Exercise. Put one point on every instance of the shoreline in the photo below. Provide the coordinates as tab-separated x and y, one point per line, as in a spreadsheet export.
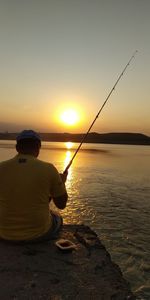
93	137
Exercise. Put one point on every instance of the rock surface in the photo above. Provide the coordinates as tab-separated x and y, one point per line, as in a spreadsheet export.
42	271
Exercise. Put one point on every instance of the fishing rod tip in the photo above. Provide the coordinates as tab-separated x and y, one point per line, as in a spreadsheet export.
135	52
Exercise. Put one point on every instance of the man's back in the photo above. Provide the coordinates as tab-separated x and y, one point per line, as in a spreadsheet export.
26	184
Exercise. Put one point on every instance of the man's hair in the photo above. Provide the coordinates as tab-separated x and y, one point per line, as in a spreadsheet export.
28	145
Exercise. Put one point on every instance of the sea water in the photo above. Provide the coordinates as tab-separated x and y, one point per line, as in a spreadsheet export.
109	190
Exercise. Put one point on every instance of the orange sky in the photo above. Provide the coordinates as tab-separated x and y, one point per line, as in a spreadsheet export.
67	54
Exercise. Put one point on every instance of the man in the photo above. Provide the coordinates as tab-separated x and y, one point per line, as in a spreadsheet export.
27	184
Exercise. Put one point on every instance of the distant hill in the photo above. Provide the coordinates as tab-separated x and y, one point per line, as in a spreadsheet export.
93	137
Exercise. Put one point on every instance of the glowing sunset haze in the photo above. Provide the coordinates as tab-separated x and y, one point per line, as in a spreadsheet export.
60	59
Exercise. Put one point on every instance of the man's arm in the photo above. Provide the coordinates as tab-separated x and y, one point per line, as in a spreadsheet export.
58	189
64	176
61	201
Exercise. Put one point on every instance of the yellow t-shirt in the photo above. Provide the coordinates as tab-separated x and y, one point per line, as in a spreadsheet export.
26	183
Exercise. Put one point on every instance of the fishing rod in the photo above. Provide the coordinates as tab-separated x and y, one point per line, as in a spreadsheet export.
111	91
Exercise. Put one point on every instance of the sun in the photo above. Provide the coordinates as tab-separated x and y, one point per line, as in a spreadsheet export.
70	117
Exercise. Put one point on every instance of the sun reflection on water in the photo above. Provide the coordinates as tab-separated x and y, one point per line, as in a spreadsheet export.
67	159
77	208
69	145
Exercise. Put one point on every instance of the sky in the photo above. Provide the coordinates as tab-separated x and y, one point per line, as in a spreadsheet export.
62	54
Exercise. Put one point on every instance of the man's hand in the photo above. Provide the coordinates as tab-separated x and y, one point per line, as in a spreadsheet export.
64	176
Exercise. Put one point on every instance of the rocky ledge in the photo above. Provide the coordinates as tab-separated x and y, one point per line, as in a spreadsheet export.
43	271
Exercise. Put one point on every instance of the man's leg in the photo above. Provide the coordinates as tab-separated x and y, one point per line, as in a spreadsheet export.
57	222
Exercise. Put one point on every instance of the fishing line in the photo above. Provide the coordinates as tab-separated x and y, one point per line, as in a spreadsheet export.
111	91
